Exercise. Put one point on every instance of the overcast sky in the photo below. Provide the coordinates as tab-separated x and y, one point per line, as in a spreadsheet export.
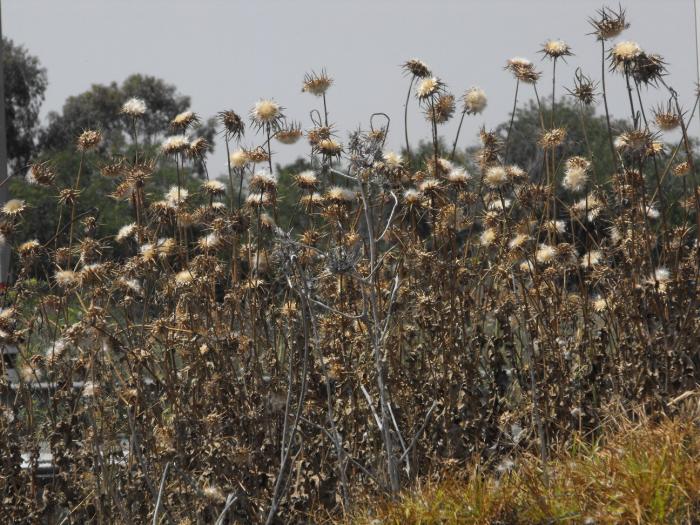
227	54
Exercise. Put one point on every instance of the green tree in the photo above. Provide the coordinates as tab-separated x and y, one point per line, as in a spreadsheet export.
586	135
100	108
288	216
25	85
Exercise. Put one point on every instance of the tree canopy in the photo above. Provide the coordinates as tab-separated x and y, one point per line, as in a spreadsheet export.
25	86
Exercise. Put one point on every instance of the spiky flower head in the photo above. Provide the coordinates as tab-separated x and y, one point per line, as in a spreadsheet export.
552	138
68	196
317	134
329	147
496	177
599	303
555	49
458	176
306	180
14	207
429	186
518	241
392	159
340	195
263	180
316	84
662	274
428	87
257	155
125	232
184	277
198	148
134	107
239	158
545	254
28	248
417	68
636	141
176	196
442	110
681	169
591	258
290	133
608	23
89	139
623	54
660	278
576	173
474	101
66	278
213	187
523	70
648	68
266	112
209	242
184	120
175	144
588	208
666	118
314	199
488	236
41	174
412	197
515	173
554	227
234	127
584	88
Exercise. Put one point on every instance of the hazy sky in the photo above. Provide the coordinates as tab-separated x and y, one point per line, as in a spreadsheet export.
227	54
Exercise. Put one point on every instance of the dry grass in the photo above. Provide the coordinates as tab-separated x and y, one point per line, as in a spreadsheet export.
635	472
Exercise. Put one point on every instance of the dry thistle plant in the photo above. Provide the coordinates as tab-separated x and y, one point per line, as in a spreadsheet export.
427	310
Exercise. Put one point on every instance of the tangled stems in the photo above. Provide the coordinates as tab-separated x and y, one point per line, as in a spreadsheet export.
405	117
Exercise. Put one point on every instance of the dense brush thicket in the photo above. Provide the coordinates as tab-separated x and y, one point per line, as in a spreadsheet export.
423	313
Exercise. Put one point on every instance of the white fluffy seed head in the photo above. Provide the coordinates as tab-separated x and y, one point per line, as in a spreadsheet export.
626	51
176	196
518	241
427	87
488	237
238	158
214	187
175	144
412	196
545	254
576	174
266	111
392	159
66	278
134	107
458	176
496	177
125	232
475	101
591	258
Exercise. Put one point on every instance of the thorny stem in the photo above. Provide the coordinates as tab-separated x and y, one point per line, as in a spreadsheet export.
605	102
405	118
512	119
459	128
76	189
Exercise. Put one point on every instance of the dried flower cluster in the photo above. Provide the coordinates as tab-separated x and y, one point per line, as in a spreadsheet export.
426	310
